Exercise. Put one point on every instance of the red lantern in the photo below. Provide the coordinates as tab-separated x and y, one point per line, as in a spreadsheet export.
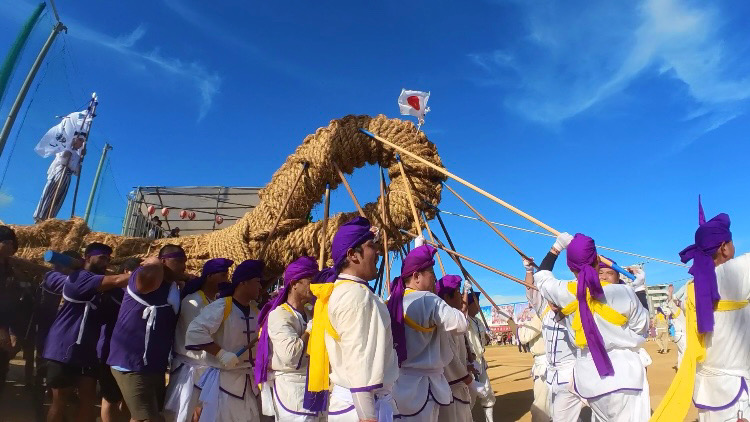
219	219
183	214
191	215
151	209
165	211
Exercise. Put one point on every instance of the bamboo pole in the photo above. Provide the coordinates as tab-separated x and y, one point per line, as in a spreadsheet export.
460	180
492	226
349	189
283	209
437	254
324	229
385	233
410	195
473	261
486	194
465	272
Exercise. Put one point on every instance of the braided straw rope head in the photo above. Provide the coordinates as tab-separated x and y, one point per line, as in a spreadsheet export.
340	142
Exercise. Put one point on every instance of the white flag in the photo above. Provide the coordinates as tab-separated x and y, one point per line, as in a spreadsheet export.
60	136
414	103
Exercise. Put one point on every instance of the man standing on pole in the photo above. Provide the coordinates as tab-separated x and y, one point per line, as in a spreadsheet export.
65	164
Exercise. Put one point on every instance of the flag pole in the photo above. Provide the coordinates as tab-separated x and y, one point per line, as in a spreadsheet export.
324	228
90	202
92	113
89	113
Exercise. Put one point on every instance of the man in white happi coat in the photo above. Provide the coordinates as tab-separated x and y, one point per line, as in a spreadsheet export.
478	338
352	332
457	372
227	330
564	404
186	368
677	314
529	329
607	324
423	326
281	359
715	370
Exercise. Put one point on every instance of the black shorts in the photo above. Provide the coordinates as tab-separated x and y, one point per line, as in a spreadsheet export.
108	387
63	375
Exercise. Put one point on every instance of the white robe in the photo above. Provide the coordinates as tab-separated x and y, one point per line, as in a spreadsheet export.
723	378
421	386
363	359
182	396
680	329
456	371
624	396
565	404
530	333
289	363
477	336
237	389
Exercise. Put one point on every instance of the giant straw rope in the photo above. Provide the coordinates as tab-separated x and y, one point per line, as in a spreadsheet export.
341	143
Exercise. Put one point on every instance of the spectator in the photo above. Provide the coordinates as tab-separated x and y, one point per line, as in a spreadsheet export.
175	232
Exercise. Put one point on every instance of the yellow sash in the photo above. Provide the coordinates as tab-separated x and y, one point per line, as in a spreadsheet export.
413	324
676	402
318	379
203	296
602	309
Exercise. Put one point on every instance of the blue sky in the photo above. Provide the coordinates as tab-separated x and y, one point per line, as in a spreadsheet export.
607	118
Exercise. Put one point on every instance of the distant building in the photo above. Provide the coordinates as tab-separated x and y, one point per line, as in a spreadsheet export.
657	296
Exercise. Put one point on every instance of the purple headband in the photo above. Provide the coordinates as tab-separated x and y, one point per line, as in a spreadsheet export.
303	267
447	285
709	237
603	265
581	256
97	252
417	260
177	254
212	266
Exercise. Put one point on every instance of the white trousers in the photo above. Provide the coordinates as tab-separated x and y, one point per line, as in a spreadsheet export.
182	396
488	400
455	412
622	406
341	406
540	408
730	414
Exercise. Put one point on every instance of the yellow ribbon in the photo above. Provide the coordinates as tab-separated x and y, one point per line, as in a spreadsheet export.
318	378
413	324
602	309
203	296
676	402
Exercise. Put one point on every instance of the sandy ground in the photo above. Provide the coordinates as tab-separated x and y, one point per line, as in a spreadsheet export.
508	369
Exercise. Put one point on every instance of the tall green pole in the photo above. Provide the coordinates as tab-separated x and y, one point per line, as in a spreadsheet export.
27	84
86	214
11	58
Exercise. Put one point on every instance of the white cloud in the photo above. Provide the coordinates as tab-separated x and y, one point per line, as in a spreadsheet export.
206	82
574	56
5	199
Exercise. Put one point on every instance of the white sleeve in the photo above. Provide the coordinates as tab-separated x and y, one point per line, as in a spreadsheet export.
202	328
189	309
638	320
529	330
448	318
552	289
536	300
286	341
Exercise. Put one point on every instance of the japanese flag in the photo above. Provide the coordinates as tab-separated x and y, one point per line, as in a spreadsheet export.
414	103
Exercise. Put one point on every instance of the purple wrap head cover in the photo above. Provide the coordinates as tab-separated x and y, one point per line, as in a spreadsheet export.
447	285
212	266
603	265
302	267
582	257
247	270
417	260
709	237
349	235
